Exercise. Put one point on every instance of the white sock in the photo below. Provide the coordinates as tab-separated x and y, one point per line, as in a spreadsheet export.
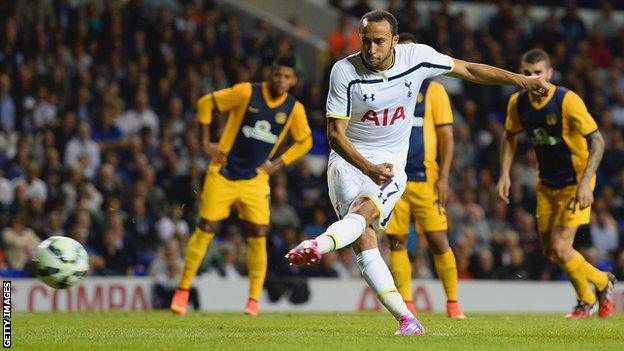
341	233
379	278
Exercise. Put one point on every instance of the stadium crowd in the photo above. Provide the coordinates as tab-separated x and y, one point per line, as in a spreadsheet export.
98	138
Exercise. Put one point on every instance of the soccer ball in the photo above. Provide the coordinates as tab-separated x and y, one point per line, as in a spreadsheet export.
61	262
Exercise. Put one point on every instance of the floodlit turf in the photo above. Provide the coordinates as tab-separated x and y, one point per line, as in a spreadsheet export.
308	331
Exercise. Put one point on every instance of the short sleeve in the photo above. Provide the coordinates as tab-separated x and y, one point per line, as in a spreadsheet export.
575	110
300	129
227	99
512	121
441	104
432	62
337	97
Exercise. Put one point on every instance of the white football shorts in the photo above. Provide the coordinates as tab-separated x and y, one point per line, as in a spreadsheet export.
347	183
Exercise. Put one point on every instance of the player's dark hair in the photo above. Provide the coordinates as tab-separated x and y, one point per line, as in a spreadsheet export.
536	55
378	16
406	37
287	61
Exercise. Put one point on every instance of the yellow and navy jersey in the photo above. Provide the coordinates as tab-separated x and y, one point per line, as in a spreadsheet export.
256	126
557	126
433	109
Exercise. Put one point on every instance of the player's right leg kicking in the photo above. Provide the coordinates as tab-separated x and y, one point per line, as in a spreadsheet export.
354	227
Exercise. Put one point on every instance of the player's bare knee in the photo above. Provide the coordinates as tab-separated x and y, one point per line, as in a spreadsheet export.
366	241
365	208
559	251
397	242
255	230
438	242
207	226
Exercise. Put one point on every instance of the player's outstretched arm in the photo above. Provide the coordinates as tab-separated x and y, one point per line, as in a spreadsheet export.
507	151
486	74
338	141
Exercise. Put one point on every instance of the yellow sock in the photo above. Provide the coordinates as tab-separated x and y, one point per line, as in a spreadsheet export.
575	270
195	251
446	268
256	265
401	270
596	276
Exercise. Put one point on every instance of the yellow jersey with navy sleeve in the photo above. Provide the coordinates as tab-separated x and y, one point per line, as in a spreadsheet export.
433	109
557	127
256	126
419	200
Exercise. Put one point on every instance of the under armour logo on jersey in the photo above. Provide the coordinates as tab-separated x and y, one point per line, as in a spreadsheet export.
366	97
408	85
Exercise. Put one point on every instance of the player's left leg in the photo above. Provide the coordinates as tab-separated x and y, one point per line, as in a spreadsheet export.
379	279
573	264
567	218
256	263
446	268
254	210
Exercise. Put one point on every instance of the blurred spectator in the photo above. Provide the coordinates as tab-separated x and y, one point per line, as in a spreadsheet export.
140	116
166	270
343	40
115	255
83	151
359	8
19	243
516	268
7	105
603	230
32	185
282	214
484	265
173	226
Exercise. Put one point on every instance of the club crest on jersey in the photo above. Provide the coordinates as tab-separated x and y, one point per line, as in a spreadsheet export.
260	131
419	98
365	97
385	117
551	119
408	85
280	118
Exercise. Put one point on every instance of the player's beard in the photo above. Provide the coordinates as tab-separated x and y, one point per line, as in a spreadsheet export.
379	63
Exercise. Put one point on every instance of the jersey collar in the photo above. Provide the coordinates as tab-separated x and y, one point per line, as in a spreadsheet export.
538	105
266	94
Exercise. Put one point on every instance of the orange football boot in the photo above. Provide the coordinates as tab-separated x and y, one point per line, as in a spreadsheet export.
453	311
179	303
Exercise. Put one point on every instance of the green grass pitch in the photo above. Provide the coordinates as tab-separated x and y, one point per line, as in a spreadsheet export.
309	331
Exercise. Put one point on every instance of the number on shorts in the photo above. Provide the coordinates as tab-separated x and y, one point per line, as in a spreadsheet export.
384	197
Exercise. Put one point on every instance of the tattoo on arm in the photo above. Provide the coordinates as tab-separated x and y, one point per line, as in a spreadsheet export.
596	146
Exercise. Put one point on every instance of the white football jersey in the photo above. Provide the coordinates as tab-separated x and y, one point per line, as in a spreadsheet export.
380	105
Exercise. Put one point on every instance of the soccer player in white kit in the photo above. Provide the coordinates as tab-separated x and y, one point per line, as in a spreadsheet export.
369	108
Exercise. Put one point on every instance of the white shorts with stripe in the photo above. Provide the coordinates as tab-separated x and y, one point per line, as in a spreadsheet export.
347	183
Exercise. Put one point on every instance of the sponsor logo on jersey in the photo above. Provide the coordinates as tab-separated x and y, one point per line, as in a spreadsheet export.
365	97
260	131
385	117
